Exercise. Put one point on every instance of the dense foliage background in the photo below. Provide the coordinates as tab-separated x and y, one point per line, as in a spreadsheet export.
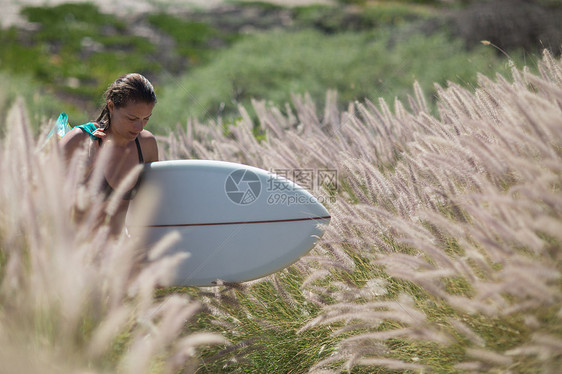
204	63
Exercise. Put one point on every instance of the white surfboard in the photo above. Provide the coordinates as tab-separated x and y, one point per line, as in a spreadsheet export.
237	222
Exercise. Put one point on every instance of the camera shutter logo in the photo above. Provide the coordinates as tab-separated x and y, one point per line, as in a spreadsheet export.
242	187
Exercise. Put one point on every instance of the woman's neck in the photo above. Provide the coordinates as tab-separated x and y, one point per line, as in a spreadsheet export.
117	140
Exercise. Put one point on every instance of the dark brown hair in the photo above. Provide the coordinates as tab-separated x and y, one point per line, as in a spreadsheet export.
129	88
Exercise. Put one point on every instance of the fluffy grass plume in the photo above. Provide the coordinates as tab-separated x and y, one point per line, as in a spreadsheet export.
71	299
444	250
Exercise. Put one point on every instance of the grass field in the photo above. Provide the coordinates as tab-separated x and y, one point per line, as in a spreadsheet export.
443	254
444	250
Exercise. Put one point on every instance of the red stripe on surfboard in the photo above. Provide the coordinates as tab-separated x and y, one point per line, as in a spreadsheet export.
242	222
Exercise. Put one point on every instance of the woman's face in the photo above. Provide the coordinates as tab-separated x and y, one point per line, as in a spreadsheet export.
128	121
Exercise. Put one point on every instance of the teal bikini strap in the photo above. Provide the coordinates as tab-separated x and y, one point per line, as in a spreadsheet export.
89	128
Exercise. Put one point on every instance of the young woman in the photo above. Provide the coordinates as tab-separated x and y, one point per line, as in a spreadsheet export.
119	130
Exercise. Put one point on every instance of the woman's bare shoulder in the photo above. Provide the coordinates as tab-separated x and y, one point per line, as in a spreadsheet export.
73	138
149	146
145	134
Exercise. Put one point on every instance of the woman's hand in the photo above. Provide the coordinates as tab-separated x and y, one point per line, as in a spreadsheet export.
99	133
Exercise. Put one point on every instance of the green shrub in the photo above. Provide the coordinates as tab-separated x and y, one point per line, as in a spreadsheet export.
75	43
193	39
274	65
380	14
42	104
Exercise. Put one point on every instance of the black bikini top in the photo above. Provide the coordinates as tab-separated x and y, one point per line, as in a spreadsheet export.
129	195
106	187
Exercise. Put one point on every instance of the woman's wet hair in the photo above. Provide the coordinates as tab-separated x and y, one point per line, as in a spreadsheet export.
129	88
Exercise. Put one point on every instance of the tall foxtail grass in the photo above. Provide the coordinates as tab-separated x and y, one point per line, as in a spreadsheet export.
443	253
444	249
73	300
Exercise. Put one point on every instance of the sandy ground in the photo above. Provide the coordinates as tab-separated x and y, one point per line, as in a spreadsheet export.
11	8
